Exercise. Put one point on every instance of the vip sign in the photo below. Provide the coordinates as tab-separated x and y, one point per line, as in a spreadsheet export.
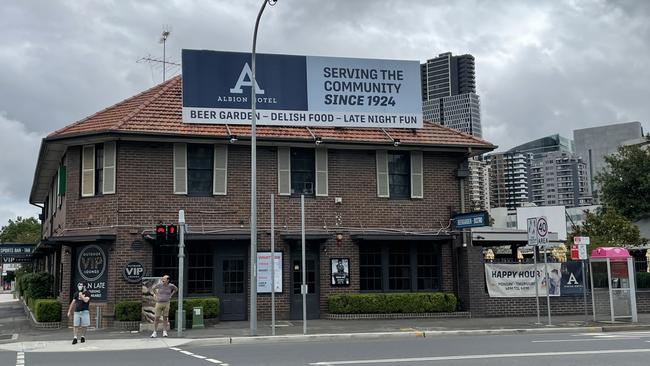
92	263
301	90
133	272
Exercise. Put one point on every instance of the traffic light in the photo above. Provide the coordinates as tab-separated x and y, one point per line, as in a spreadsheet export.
166	234
172	234
161	234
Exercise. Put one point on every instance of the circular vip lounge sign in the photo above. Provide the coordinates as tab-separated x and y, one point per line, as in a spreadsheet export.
91	263
133	272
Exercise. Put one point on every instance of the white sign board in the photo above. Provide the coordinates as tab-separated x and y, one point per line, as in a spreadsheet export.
581	240
542	230
518	280
532	230
582	252
264	272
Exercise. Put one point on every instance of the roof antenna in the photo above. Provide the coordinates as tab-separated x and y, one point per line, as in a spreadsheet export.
163	39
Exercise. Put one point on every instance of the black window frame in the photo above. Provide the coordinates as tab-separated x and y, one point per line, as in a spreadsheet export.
200	270
200	163
303	167
399	174
99	170
420	270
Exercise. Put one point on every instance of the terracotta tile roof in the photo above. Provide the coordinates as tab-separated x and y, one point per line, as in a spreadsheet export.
157	111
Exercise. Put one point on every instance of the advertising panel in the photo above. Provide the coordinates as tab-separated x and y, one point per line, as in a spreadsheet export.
518	280
91	268
301	90
264	272
340	271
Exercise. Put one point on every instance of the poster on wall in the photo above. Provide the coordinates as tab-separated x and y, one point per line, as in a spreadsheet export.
518	280
92	268
340	271
264	272
572	284
148	298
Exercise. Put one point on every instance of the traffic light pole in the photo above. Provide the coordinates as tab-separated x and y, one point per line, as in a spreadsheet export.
180	319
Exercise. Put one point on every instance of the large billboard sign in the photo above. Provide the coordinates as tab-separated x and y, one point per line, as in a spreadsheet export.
301	90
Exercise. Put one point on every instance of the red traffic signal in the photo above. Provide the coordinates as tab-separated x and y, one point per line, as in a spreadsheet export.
166	234
172	234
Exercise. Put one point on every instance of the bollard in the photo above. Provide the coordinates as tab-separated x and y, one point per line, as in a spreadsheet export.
197	318
98	317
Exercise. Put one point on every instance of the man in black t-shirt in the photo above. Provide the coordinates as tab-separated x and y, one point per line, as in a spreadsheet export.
79	305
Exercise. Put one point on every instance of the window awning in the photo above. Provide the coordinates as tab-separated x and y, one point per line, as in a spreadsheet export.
380	235
219	235
310	235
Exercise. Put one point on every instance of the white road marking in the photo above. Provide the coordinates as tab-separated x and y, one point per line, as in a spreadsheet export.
14	336
577	340
20	359
198	356
476	357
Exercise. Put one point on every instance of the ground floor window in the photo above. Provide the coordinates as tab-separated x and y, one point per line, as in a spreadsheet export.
165	262
200	260
402	266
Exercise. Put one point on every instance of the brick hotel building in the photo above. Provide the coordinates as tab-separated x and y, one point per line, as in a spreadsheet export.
380	198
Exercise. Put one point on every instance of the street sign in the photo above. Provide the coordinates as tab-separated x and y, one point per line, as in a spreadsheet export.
542	230
532	231
470	219
582	252
581	240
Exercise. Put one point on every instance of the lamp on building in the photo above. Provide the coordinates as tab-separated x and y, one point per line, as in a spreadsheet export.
647	259
488	255
559	253
396	142
233	139
318	140
520	255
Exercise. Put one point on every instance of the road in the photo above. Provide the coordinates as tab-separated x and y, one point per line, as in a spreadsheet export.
620	349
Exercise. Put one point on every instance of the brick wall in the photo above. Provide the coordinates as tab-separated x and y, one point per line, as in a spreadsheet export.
144	198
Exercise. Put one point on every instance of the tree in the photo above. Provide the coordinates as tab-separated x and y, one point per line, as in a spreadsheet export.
21	231
625	182
608	228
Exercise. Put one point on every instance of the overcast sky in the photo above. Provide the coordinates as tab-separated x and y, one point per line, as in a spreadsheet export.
542	67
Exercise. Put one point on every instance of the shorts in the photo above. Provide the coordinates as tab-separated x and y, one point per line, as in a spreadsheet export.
161	309
81	318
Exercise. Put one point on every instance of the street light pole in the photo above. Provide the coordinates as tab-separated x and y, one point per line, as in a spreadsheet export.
253	249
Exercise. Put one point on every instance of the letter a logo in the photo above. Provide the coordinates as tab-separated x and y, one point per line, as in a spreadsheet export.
572	280
246	71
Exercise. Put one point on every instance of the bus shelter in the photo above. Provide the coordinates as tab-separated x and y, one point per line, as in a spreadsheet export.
612	284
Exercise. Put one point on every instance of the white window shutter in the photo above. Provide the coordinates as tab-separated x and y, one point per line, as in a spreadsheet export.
284	171
382	174
417	184
180	168
220	178
110	153
321	171
88	171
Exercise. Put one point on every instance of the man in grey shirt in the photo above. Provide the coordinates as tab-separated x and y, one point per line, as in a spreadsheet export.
163	293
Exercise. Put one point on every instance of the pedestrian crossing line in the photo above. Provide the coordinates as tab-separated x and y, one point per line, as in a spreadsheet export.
20	359
188	353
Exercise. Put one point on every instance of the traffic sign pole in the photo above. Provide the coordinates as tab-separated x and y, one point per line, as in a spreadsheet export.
582	242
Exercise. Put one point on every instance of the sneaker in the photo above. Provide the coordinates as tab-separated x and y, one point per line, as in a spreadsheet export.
83	339
154	335
74	340
164	333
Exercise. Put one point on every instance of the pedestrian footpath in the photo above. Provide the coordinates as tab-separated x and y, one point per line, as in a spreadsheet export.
17	333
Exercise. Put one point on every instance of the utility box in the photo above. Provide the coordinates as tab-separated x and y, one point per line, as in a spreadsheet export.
197	318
